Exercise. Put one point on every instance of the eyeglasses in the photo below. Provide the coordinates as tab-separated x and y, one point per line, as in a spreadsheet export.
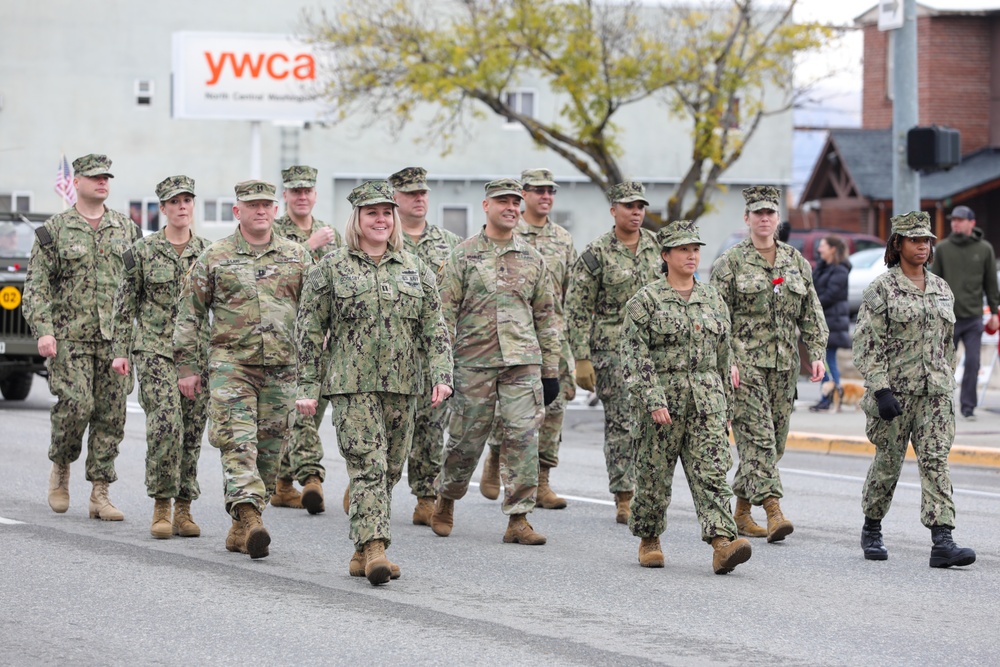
541	190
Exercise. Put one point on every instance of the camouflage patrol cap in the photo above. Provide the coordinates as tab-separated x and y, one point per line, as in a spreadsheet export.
171	186
255	190
915	224
539	177
762	196
92	164
370	193
298	176
503	186
680	232
410	179
626	192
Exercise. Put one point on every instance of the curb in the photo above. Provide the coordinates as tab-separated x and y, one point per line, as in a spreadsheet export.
838	444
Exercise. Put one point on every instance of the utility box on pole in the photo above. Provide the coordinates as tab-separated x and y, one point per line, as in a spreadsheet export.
933	148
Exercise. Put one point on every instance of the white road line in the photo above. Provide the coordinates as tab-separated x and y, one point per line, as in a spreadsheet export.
908	485
9	522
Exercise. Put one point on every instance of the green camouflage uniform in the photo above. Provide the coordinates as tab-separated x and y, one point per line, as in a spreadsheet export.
145	310
251	359
424	460
903	342
766	320
304	455
497	302
389	345
556	245
677	348
602	281
72	277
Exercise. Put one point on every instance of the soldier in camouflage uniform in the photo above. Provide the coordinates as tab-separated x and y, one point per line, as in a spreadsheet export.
497	302
302	459
74	270
250	282
676	356
556	246
769	290
903	348
381	307
432	244
145	310
609	273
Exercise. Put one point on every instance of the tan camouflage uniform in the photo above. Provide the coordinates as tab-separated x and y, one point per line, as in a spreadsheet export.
602	281
766	321
389	345
145	310
251	361
72	277
903	342
497	302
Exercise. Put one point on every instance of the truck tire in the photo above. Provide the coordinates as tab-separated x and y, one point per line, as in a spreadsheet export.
16	387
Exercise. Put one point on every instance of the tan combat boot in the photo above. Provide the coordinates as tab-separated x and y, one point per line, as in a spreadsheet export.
184	524
489	483
727	555
356	568
778	527
100	505
236	539
161	519
519	531
443	518
257	537
286	495
650	553
745	525
623	506
312	495
423	511
347	499
377	567
547	498
59	488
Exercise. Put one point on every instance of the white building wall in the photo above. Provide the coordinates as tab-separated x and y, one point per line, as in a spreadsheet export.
67	82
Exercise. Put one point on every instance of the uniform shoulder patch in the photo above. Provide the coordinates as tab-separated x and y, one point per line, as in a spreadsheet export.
129	260
317	278
590	261
43	236
638	313
874	300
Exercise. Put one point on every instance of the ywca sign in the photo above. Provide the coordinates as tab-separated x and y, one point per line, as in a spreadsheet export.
241	76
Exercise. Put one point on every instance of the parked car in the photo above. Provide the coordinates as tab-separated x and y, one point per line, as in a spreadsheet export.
866	266
19	358
807	241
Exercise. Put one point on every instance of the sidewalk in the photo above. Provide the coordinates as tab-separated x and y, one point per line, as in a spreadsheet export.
976	442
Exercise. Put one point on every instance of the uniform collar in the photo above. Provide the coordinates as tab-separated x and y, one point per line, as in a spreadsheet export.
930	286
517	244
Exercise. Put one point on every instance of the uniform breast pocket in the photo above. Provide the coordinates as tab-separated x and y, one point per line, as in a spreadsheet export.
235	281
618	288
904	321
161	285
666	330
354	297
74	259
289	278
410	300
946	310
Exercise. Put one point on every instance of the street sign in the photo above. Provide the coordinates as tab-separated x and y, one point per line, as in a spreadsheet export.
890	14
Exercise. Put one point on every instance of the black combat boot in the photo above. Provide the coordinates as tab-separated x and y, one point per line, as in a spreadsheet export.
871	540
945	553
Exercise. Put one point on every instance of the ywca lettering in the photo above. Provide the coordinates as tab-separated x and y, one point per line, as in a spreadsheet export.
276	65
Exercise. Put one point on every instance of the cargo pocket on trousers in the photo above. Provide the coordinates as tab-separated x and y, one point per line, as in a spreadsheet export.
219	426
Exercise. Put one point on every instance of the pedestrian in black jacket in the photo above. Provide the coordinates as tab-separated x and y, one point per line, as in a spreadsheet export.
830	280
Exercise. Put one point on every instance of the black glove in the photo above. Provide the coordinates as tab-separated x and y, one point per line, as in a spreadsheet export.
888	406
550	389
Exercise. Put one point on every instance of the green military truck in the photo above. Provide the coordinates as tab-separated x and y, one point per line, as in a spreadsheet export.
19	358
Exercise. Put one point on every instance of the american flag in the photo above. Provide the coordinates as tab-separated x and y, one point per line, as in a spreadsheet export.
64	182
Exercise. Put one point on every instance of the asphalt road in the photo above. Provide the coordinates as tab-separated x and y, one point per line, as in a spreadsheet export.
79	591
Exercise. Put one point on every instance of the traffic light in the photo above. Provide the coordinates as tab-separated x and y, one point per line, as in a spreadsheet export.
932	148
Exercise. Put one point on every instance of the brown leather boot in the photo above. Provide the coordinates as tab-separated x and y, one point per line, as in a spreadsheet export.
443	518
356	568
257	537
727	555
236	539
347	499
184	524
745	525
623	506
59	488
778	527
519	531
160	528
312	495
286	495
377	567
489	483
100	505
423	511
547	498
650	554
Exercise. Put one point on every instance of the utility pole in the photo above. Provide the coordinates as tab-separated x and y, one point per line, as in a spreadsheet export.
905	181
